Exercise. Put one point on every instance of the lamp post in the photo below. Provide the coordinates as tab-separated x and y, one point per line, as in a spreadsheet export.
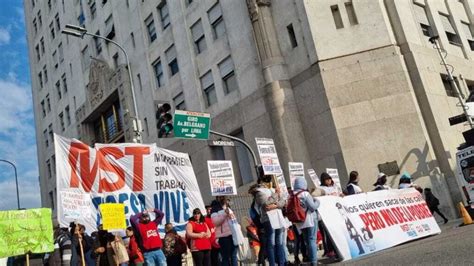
16	181
80	32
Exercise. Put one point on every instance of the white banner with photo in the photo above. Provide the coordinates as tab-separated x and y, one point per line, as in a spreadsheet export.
221	178
141	176
365	223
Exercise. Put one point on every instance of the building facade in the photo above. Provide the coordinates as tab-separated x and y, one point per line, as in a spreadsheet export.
336	83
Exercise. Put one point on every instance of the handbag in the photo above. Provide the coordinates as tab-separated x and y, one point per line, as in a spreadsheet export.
120	252
237	235
245	254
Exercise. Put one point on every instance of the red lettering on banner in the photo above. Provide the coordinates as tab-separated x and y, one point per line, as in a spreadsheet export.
372	221
407	214
388	217
80	151
399	215
104	185
137	153
83	174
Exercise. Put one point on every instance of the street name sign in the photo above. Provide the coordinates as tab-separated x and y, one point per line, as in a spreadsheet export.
191	125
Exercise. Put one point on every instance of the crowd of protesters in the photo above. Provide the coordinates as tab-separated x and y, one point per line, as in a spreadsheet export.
213	238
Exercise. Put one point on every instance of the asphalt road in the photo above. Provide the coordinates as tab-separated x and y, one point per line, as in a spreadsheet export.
454	246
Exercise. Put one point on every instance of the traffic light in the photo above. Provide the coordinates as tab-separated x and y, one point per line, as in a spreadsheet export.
164	120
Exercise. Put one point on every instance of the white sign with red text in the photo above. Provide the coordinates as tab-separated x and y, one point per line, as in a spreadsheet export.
141	176
368	222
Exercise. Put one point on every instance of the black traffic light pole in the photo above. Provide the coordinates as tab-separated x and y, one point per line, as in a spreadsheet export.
434	41
255	160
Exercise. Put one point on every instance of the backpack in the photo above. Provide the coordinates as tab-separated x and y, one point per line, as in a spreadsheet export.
294	211
255	215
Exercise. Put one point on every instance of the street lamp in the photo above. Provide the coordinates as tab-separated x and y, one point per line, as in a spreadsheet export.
16	181
80	32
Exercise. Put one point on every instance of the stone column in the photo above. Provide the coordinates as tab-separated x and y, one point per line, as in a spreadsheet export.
279	98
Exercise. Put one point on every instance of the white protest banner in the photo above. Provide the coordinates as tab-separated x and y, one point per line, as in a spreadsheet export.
75	205
334	174
268	156
368	222
314	177
295	170
141	176
221	177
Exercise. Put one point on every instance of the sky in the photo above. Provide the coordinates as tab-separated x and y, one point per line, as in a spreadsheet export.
17	129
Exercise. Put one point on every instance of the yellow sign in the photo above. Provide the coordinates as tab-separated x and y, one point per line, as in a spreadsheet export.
113	216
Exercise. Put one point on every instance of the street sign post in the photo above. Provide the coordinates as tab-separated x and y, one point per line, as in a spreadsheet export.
191	125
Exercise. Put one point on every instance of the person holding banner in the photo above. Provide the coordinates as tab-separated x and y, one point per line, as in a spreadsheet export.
198	234
268	199
309	226
150	241
222	217
81	244
353	186
330	189
380	183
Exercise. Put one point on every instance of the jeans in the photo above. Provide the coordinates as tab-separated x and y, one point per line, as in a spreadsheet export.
309	236
155	257
274	245
228	251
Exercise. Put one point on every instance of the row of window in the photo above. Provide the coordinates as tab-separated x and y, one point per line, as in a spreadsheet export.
165	21
172	62
351	14
218	28
448	25
60	90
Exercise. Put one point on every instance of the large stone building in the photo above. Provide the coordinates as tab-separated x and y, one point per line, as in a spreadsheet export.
336	83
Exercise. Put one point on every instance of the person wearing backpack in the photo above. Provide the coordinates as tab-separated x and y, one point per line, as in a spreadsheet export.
173	246
433	204
307	223
268	199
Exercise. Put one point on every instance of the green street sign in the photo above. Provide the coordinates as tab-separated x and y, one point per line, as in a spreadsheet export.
191	125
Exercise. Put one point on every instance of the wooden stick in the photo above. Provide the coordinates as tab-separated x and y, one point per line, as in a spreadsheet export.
27	259
82	250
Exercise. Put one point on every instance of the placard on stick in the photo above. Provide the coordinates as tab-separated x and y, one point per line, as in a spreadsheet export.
113	216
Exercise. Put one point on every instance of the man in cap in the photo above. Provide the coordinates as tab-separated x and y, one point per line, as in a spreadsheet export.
148	236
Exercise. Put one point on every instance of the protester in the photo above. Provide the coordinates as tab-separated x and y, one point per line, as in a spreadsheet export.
353	187
328	185
222	216
134	252
149	238
214	243
433	204
268	199
255	216
254	240
173	246
100	246
309	227
62	248
81	245
330	188
380	183
198	234
300	247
